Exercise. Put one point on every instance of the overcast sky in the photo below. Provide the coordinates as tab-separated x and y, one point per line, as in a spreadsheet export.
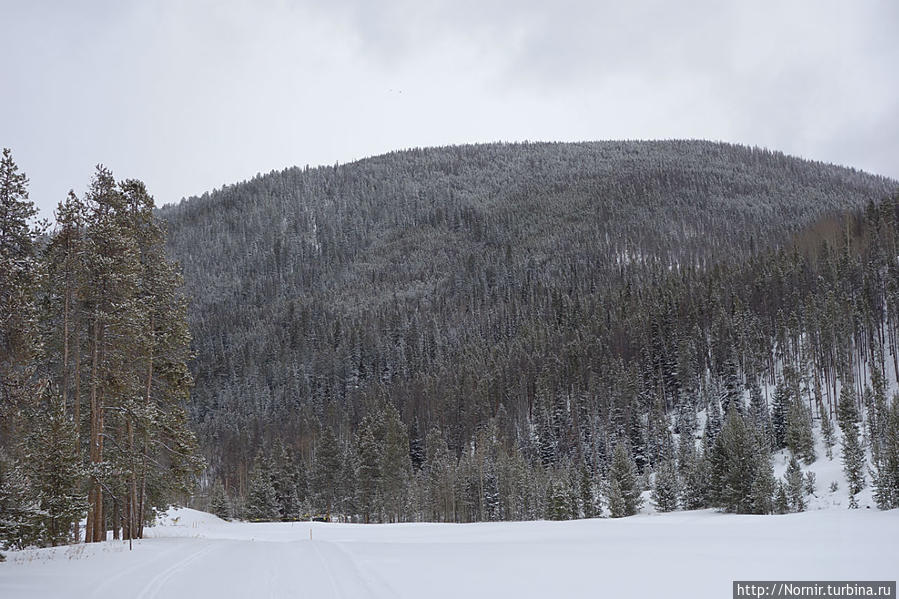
190	95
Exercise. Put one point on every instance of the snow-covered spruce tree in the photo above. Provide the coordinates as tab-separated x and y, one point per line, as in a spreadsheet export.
794	485
395	464
758	411
853	452
740	468
326	466
693	467
218	501
284	480
55	473
827	432
781	501
262	500
19	512
558	506
779	406
713	421
19	353
368	476
348	501
666	487
878	412
19	278
885	475
623	491
587	496
798	437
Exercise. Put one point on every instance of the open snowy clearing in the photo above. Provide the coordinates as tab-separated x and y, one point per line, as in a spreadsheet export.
683	554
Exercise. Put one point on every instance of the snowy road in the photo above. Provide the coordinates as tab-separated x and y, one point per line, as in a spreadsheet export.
692	554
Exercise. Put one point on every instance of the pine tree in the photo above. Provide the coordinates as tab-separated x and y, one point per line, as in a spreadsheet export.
623	491
557	505
19	353
740	468
284	482
853	463
262	500
19	343
54	469
886	472
827	432
713	421
694	471
779	406
218	501
666	487
395	466
847	407
326	466
794	486
798	436
758	410
587	496
853	452
781	501
369	475
19	512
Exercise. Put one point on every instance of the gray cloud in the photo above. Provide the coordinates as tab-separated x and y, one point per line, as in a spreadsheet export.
188	96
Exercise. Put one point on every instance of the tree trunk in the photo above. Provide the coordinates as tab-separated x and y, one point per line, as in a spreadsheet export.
96	526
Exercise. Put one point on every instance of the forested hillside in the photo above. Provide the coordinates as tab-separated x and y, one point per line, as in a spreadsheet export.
508	331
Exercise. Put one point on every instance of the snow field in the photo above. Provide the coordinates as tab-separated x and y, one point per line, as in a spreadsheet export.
193	555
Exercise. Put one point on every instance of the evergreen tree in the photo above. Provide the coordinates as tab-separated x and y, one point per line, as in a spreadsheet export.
623	491
798	436
19	274
326	467
781	501
19	353
827	432
713	421
666	487
694	470
218	501
779	406
262	499
853	463
758	410
847	407
369	474
885	477
587	495
55	472
794	486
740	468
395	466
19	512
284	481
853	452
557	504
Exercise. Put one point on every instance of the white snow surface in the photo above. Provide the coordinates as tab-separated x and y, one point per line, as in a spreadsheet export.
194	555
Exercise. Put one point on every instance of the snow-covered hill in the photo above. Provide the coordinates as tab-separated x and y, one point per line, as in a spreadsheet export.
684	554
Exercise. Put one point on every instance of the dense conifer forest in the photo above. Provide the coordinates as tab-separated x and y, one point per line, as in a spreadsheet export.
494	332
515	331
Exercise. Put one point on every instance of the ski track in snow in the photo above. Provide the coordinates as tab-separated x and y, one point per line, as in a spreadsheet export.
158	582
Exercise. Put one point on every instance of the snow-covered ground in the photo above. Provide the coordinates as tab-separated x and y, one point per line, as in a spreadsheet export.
683	554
